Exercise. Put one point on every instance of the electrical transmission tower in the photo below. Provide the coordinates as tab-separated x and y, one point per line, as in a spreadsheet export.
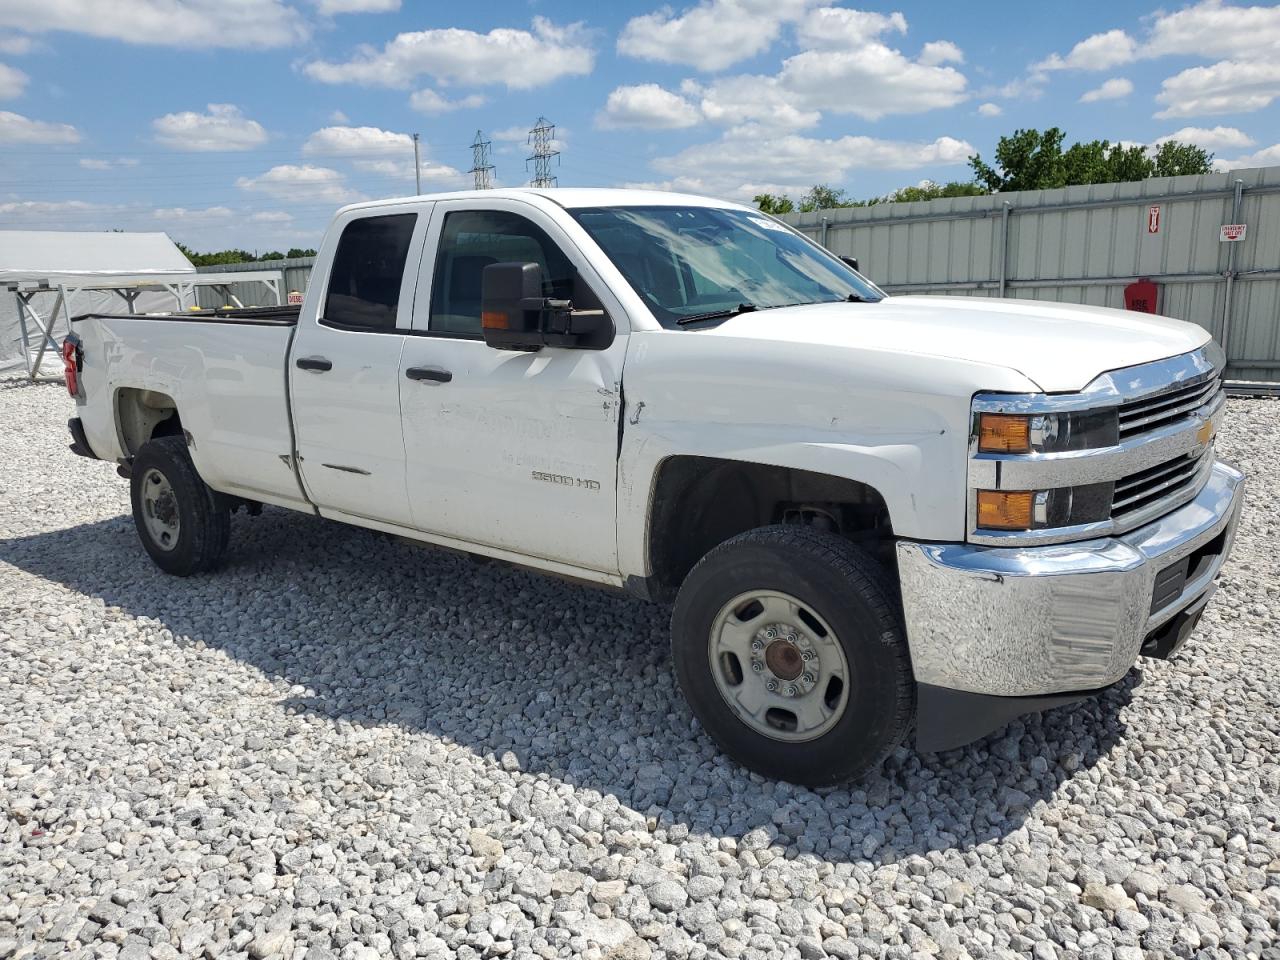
481	164
542	136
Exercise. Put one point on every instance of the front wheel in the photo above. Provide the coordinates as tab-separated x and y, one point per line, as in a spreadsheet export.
184	526
789	648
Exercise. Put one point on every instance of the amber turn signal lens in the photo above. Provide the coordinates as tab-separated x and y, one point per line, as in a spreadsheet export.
1004	509
1004	433
494	320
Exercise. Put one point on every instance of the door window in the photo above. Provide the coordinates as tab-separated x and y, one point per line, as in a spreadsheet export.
471	240
368	268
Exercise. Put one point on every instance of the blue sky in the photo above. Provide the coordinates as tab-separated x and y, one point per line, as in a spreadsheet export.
247	122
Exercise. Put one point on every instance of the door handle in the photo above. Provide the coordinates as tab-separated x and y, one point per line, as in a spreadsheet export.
429	373
319	364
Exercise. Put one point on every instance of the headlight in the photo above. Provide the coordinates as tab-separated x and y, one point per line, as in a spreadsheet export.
1038	509
1047	432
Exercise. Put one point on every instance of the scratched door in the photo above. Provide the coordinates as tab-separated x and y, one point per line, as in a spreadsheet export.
514	450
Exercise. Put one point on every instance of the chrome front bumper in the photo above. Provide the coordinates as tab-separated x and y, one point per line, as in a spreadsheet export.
1031	621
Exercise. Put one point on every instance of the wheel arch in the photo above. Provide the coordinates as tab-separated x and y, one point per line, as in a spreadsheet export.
696	503
141	415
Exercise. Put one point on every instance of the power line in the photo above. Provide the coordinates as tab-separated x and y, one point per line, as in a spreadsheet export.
541	137
481	163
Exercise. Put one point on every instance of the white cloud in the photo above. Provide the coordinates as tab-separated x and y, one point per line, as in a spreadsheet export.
15	128
712	35
383	153
175	23
12	82
1229	86
837	28
520	59
92	163
53	213
989	109
871	81
647	105
357	142
430	102
330	7
1215	29
15	44
271	216
746	98
222	128
339	118
1117	88
193	216
740	162
1216	138
939	52
1266	157
1098	52
394	169
300	182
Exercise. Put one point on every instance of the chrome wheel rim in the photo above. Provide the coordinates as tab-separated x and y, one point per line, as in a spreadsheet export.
779	666
160	510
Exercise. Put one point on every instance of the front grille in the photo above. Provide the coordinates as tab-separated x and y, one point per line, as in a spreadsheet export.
1156	410
1164	482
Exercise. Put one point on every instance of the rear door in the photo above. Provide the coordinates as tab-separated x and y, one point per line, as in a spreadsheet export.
345	363
514	450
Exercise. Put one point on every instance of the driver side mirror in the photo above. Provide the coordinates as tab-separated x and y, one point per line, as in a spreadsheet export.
851	261
514	315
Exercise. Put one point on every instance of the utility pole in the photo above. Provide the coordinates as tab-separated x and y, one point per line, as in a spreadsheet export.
481	165
417	166
541	137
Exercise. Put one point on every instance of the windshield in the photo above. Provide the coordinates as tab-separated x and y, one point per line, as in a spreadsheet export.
696	263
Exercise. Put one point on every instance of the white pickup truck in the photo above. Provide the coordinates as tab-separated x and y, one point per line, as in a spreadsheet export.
873	514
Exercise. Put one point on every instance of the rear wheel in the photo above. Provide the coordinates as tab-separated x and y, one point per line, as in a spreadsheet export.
184	526
790	650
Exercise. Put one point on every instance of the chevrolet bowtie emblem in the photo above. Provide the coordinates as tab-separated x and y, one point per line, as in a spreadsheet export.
1205	433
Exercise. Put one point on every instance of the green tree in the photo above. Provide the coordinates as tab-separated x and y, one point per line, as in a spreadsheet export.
295	252
931	191
271	255
1028	160
1174	159
776	204
824	197
1035	160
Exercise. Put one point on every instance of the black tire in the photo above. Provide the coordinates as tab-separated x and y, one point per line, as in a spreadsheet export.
849	591
204	522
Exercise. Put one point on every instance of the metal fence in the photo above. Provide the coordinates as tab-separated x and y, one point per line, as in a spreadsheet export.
1076	245
297	271
1084	245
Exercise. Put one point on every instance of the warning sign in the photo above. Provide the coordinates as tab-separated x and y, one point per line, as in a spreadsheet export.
1153	218
1232	232
295	296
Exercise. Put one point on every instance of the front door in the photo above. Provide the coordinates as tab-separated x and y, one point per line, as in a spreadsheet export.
514	450
344	368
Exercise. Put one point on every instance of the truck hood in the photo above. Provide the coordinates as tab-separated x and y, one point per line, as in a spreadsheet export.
1059	347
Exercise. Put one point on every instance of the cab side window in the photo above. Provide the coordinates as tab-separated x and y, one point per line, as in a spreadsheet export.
470	240
368	267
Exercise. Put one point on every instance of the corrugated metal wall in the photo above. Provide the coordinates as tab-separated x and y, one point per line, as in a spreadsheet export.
296	273
1084	245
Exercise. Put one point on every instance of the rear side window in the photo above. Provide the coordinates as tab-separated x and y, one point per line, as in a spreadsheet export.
471	240
368	267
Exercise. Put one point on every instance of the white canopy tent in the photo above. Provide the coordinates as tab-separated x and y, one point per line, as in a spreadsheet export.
56	275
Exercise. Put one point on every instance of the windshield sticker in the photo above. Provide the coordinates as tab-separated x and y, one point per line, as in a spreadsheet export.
768	224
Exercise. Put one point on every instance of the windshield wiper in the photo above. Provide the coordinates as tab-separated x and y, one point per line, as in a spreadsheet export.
717	314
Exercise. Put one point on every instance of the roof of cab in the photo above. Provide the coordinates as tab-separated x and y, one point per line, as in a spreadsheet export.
568	197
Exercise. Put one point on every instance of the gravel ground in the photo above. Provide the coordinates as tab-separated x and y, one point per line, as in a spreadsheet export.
340	746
